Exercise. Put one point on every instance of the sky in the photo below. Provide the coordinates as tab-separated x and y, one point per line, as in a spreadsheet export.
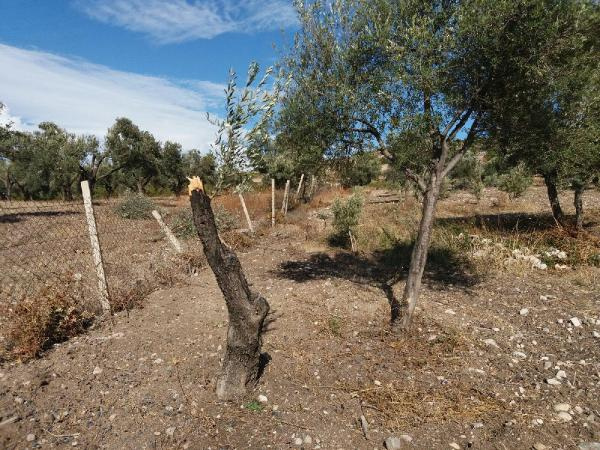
161	63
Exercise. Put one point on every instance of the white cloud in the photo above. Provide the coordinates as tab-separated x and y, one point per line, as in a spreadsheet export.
86	98
171	21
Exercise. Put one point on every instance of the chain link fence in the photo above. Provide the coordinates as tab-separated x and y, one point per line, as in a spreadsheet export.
49	286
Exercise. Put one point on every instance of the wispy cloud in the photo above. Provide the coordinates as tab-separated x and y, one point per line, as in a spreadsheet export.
171	21
86	98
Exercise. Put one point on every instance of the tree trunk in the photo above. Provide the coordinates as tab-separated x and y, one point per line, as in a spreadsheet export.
418	258
140	187
578	200
247	310
557	212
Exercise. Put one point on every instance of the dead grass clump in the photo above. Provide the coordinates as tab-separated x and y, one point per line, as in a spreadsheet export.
409	404
127	297
38	321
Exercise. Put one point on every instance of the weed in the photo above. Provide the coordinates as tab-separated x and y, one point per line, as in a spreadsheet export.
135	206
253	406
346	214
335	325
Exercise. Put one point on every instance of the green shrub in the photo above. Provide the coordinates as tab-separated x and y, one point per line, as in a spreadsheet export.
360	170
515	182
183	226
346	214
135	206
468	175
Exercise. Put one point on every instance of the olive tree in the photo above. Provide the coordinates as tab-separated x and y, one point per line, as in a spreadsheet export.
416	81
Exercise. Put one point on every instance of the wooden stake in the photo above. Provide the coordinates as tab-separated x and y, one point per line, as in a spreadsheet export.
284	204
313	181
246	212
170	236
272	202
95	243
299	186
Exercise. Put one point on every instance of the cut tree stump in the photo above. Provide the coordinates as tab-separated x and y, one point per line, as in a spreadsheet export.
247	309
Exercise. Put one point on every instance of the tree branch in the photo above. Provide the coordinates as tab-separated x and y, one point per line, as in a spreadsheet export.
417	179
463	149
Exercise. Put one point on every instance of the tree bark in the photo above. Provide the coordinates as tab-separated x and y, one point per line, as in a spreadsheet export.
552	190
578	201
403	318
247	309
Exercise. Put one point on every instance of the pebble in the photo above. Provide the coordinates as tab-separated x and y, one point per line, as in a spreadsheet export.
377	383
519	355
97	371
596	334
562	407
564	416
547	365
262	399
491	343
553	381
307	440
406	438
455	446
540	446
170	431
393	443
575	322
589	446
450	311
30	437
298	441
561	374
524	311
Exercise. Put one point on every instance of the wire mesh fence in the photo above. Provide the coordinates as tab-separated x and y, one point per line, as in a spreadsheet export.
49	285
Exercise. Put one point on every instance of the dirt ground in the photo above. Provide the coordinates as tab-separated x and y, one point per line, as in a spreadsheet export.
509	362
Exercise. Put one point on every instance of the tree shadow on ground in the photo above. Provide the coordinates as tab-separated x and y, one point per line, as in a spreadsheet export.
18	217
383	269
503	222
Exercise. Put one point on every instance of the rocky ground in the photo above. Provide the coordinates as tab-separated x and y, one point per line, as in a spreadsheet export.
509	362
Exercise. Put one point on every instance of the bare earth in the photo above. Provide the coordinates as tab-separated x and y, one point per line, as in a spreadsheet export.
147	379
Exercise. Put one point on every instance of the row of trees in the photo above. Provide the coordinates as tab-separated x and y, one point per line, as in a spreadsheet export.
50	162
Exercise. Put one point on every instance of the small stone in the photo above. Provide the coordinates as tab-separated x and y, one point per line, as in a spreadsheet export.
455	446
578	409
393	443
575	322
540	446
97	371
112	417
491	343
377	383
406	438
477	425
262	399
519	355
30	437
157	361
170	431
307	440
596	334
589	446
524	312
561	374
553	381
298	441
562	407
547	364
564	416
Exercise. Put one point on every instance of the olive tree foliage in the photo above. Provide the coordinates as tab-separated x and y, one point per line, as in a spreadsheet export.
244	128
415	80
135	153
545	116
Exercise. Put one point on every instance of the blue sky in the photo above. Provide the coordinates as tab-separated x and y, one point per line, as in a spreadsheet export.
162	63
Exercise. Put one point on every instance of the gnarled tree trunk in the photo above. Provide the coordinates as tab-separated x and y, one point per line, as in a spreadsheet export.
247	310
552	190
